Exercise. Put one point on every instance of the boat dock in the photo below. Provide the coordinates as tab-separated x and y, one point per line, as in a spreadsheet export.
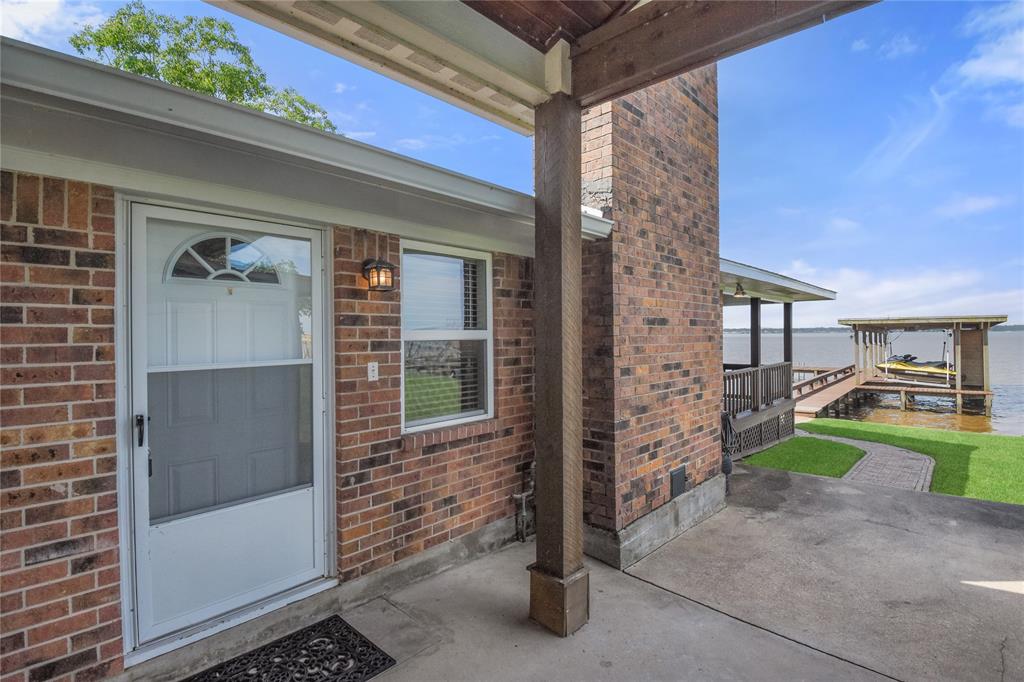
830	391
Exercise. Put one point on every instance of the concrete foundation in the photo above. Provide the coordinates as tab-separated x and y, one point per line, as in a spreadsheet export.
625	547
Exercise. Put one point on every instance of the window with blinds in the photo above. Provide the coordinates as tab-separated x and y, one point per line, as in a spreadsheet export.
446	336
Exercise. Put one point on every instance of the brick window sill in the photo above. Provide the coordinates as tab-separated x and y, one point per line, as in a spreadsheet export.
446	434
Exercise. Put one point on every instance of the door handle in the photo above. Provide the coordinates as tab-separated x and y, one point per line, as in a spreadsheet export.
140	425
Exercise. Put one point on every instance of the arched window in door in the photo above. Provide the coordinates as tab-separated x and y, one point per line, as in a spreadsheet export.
224	257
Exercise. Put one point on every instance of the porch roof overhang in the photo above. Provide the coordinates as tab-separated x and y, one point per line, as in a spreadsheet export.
912	324
71	117
770	287
501	60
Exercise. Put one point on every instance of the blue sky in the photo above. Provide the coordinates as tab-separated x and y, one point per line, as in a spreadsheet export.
881	154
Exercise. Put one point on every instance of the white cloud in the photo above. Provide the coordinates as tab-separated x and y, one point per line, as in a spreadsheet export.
995	17
859	45
963	206
926	291
995	61
341	88
900	45
46	22
995	67
1011	113
905	137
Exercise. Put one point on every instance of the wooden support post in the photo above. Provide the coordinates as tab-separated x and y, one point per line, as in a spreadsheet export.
903	400
559	582
879	349
959	369
787	332
755	332
869	366
986	385
864	367
856	356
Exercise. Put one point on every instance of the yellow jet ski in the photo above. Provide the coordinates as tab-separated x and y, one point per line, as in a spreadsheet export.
909	366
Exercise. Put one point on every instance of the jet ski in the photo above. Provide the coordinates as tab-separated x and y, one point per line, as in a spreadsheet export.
908	366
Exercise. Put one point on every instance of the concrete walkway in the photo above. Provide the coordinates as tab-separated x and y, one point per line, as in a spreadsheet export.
918	586
885	464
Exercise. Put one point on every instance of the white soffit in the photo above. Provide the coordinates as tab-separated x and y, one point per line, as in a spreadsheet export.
443	48
770	287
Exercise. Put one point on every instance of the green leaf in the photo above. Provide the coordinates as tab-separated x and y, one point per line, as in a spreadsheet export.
201	54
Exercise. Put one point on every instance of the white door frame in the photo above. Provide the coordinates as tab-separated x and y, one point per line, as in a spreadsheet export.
129	514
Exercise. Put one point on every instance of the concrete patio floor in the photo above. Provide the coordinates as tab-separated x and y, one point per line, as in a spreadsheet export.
877	576
800	578
470	623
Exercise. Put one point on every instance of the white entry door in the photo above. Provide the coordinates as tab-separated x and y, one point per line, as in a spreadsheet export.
227	412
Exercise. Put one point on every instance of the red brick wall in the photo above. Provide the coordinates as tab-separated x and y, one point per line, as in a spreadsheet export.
399	495
59	590
650	162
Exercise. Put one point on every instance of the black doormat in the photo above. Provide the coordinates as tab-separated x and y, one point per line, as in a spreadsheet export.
328	651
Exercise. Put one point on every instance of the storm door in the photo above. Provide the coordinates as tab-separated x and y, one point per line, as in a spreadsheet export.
227	414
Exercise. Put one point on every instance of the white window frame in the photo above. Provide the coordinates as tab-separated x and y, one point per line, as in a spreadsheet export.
451	334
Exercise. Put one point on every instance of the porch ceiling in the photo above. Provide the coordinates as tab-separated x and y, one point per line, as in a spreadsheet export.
502	59
770	287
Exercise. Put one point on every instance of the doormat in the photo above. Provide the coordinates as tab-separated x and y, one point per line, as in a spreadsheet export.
328	651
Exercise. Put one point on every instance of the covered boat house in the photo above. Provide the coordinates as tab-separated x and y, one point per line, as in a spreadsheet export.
968	364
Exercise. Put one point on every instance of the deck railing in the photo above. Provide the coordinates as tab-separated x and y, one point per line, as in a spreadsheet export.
755	388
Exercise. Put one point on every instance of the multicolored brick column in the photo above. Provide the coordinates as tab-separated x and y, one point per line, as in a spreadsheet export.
652	343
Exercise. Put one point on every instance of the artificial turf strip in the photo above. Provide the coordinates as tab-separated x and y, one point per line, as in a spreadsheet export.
808	456
984	466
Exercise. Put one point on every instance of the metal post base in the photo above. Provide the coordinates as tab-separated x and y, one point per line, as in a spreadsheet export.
562	605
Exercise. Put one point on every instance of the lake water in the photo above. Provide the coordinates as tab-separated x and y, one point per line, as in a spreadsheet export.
835	349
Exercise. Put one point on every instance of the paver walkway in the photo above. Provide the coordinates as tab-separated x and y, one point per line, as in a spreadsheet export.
886	464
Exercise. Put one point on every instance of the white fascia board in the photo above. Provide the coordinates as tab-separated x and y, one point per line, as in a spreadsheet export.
40	70
750	273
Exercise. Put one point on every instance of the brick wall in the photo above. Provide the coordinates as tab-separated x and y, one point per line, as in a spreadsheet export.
650	162
399	495
59	591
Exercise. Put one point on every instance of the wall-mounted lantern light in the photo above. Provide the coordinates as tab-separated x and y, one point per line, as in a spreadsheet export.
380	274
739	293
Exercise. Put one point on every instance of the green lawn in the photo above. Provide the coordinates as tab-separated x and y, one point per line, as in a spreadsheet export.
808	456
980	465
430	395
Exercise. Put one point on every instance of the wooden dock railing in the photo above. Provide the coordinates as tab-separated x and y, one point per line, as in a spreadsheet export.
821	380
756	388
